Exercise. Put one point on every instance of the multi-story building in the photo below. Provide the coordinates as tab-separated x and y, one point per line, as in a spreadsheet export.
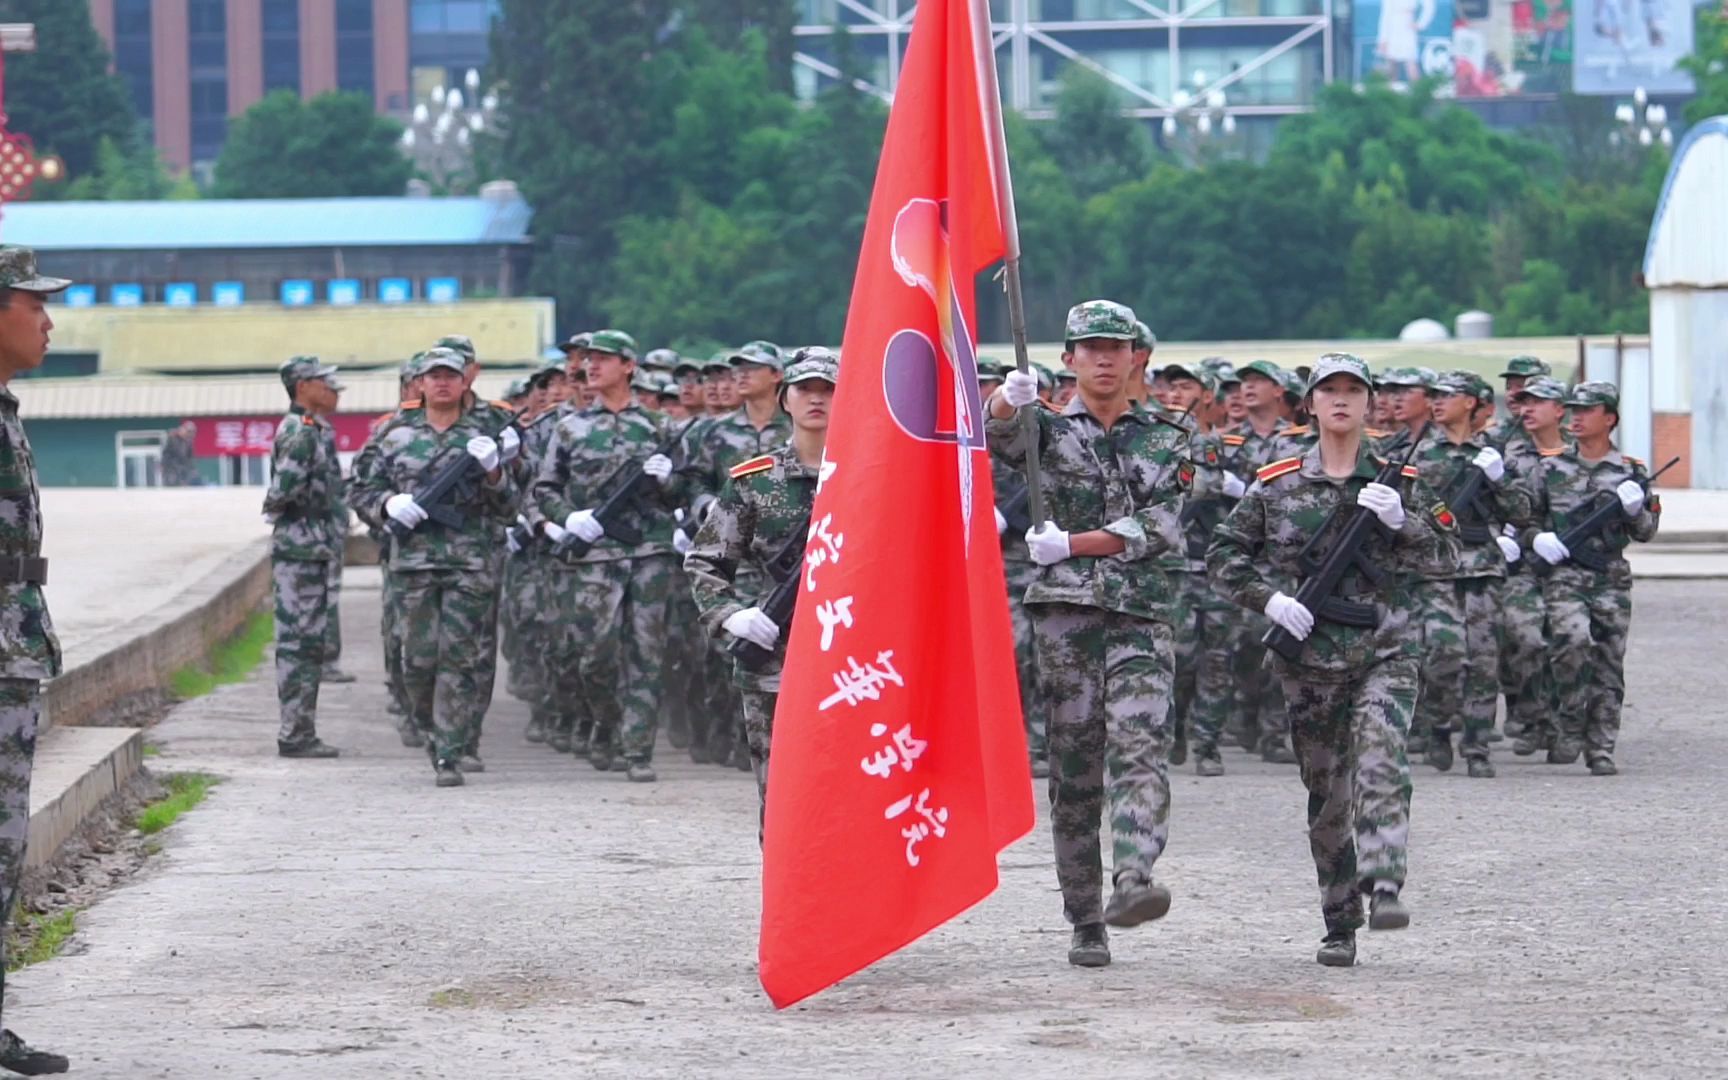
194	64
1268	58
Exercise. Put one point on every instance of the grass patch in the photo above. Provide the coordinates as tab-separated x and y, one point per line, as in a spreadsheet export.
152	750
229	662
47	935
185	790
453	998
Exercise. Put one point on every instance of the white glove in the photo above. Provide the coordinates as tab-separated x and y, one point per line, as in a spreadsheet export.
510	542
1385	503
1001	522
484	449
1550	548
582	523
659	467
1490	462
753	626
1631	497
1510	549
1020	388
1291	614
1234	488
509	444
681	543
554	533
402	508
1047	543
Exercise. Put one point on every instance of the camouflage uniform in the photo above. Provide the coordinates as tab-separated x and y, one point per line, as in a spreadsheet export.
306	480
1352	690
1102	626
1204	691
613	600
1525	676
528	593
1020	572
390	621
339	516
447	577
1590	614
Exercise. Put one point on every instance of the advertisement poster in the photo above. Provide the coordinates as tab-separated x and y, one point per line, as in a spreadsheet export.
1508	48
1621	45
1404	40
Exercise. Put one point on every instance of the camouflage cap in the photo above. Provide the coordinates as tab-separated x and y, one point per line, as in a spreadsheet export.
1186	371
660	359
1100	319
1414	377
646	381
1264	368
1224	370
720	361
577	341
1545	387
1340	363
616	342
554	365
410	367
1293	383
18	271
460	343
991	369
755	353
1525	366
440	357
813	363
302	368
1067	375
1144	338
1046	380
669	387
687	365
1586	394
517	388
767	347
1454	382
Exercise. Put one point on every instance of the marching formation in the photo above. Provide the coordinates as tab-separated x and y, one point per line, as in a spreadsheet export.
1325	567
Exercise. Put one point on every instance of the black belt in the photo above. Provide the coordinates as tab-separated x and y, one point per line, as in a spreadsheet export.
23	570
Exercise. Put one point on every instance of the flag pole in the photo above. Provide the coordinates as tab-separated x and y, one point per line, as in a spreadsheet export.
984	54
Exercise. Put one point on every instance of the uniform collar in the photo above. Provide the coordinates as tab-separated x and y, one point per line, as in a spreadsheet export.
1367	464
1077	407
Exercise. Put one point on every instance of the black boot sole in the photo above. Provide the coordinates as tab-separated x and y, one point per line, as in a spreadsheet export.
1153	903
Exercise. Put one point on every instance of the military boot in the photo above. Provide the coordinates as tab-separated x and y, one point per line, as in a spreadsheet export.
600	756
619	764
1440	750
1531	741
1387	912
471	763
334	674
536	729
1040	768
448	775
1564	752
18	1056
411	737
1415	744
1338	949
1603	765
1090	946
640	772
314	748
699	753
1179	748
1208	763
741	758
1481	769
561	743
1135	901
1276	753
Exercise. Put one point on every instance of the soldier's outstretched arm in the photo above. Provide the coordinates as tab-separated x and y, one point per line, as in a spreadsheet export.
1235	543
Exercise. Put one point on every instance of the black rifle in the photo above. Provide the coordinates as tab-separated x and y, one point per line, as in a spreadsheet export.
786	570
1016	511
1604	513
616	511
449	485
1326	572
1465	499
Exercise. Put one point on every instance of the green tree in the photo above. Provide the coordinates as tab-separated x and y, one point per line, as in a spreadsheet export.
122	173
1709	66
1096	146
334	145
63	95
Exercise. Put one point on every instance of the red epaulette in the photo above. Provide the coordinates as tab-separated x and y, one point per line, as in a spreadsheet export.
1278	468
1375	434
505	405
410	403
1636	461
754	465
1233	440
1411	472
1295	430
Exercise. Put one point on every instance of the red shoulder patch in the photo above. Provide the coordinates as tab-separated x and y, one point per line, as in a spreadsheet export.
1234	440
1375	433
1411	472
410	403
1295	430
1278	468
754	465
1443	517
1653	503
1636	461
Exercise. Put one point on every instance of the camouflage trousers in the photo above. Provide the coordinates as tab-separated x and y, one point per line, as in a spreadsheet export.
1460	660
523	627
1589	616
1349	742
1032	705
717	725
686	664
390	628
1525	677
333	624
1204	688
301	592
614	616
1258	711
449	634
1107	679
488	670
20	708
758	717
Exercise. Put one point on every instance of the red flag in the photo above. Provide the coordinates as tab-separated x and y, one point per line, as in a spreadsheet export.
898	770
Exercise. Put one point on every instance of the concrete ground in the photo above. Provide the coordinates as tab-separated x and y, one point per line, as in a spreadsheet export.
346	919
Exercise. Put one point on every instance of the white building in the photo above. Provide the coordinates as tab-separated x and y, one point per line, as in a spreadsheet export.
1686	271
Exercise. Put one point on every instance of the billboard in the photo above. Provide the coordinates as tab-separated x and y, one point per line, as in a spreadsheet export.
1622	45
1508	48
1404	40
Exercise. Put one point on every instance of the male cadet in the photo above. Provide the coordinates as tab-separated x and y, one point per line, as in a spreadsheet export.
29	651
1066	385
1351	689
305	480
1519	371
1458	576
1139	390
1525	675
1263	724
688	373
763	506
645	388
671	399
1020	571
448	574
615	596
1411	390
340	514
1203	691
1101	611
552	715
1590	612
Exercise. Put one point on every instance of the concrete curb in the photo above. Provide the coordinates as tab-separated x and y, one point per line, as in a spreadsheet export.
76	770
141	654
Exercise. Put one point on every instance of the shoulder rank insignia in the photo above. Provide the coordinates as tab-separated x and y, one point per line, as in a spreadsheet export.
1185	474
1278	468
1211	455
753	466
1639	462
1653	503
1295	431
410	403
1443	517
1375	433
1411	472
1234	440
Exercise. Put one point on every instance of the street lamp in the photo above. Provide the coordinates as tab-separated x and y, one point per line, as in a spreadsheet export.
1198	116
439	138
1641	122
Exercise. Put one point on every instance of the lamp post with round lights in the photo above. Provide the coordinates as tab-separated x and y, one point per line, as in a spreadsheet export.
1199	121
441	133
1640	123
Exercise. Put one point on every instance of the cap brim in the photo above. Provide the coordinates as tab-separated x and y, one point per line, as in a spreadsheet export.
436	364
812	377
41	284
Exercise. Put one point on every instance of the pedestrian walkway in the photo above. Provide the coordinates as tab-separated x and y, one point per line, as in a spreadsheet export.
346	919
